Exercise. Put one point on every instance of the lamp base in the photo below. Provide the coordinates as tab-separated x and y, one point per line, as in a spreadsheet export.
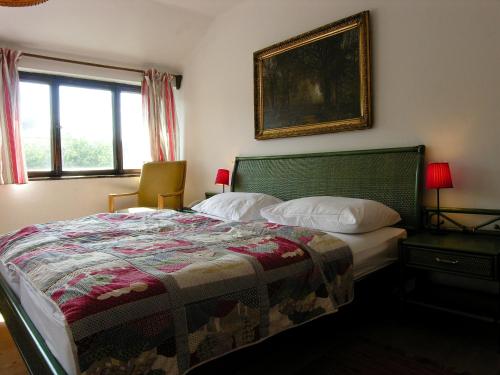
437	229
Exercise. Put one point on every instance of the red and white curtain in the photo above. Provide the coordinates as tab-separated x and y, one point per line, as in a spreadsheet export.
158	106
12	166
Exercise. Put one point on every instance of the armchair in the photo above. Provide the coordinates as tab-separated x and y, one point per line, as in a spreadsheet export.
161	186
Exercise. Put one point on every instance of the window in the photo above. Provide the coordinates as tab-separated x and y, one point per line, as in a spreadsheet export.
36	124
86	136
73	127
135	140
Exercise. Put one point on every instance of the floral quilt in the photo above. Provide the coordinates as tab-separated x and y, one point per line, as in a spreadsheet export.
160	292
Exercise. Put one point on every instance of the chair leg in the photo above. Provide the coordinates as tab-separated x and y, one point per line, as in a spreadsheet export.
111	204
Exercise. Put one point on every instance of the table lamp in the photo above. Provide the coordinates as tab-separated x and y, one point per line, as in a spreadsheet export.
437	177
222	178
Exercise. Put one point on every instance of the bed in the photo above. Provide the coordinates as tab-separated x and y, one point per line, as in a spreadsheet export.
390	176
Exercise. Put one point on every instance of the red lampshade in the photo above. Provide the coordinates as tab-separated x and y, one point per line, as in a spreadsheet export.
222	177
438	176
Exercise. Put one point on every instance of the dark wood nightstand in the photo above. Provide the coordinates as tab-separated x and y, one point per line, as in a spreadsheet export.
210	194
455	272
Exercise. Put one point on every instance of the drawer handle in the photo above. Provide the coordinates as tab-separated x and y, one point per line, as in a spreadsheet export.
447	261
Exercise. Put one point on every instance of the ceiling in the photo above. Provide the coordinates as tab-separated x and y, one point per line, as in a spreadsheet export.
210	8
142	33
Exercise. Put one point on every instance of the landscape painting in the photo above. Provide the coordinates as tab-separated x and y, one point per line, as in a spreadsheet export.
317	82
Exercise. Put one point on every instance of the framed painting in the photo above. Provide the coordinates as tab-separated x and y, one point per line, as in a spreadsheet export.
317	82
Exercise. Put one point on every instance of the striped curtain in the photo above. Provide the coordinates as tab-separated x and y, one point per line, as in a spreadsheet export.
12	167
158	106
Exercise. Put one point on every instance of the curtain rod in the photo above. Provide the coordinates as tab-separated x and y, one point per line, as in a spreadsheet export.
178	78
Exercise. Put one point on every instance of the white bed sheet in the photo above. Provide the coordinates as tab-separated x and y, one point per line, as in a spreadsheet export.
371	251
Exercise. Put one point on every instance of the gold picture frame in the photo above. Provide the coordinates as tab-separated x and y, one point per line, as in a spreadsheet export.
317	82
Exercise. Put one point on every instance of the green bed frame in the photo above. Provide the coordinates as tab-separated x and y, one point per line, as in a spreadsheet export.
392	176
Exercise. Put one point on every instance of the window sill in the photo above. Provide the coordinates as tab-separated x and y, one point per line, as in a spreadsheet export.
47	178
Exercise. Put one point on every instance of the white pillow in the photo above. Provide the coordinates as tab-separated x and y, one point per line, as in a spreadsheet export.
332	214
236	206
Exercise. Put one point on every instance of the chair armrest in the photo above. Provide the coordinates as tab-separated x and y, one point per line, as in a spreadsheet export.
161	198
111	199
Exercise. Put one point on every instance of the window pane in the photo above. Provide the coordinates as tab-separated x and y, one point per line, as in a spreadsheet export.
35	124
135	136
86	128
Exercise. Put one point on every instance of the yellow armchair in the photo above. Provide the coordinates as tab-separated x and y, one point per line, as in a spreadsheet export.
161	186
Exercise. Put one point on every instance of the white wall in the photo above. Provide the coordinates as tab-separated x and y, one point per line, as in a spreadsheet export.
33	64
436	82
43	201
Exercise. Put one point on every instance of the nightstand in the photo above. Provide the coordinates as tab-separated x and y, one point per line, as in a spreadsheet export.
210	194
455	272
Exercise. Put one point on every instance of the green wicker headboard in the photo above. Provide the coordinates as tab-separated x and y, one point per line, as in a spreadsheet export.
392	176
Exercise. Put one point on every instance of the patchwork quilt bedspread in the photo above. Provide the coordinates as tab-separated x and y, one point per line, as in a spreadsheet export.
158	293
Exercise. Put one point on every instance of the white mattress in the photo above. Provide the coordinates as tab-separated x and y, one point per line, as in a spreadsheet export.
46	317
371	251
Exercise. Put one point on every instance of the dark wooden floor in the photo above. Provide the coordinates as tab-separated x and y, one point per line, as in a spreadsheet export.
10	360
455	344
458	345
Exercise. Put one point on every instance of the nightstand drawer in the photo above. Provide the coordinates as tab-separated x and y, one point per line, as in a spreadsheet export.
476	265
